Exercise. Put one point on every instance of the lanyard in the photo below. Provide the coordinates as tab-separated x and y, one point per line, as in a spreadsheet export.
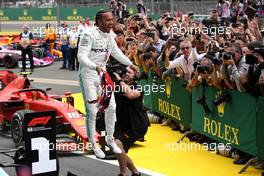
187	65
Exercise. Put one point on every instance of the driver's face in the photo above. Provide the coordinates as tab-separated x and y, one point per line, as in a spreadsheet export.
107	22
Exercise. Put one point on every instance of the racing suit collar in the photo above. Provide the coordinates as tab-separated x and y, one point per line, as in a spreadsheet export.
104	34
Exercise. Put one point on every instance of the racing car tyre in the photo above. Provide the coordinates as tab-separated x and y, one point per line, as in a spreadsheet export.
38	52
17	126
10	61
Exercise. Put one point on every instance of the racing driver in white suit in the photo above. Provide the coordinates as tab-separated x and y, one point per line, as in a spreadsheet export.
95	47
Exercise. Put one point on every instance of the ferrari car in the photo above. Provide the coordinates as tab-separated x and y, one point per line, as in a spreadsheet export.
12	58
18	96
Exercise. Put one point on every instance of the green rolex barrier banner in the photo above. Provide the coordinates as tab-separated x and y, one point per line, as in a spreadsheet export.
173	101
233	122
146	87
260	129
75	14
66	14
47	14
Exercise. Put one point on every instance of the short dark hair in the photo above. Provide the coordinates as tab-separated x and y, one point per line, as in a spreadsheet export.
254	45
237	48
98	15
150	48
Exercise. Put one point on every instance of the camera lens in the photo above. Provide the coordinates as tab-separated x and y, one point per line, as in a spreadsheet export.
202	69
228	56
146	56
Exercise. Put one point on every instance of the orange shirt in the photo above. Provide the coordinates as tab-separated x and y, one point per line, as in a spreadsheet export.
50	34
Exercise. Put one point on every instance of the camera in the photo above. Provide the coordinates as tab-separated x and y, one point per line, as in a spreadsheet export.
259	49
169	18
130	39
209	22
195	65
146	56
228	56
216	62
137	18
251	59
150	34
190	14
119	69
202	69
262	33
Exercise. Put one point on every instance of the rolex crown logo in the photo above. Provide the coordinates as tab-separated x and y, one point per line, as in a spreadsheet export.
221	106
49	11
74	11
25	12
168	86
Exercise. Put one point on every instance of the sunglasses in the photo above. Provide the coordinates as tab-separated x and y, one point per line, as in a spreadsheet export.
185	48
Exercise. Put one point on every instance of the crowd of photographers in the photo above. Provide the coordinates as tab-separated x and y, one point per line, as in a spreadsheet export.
225	51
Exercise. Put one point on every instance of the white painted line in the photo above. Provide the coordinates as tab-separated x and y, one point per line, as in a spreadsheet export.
2	172
115	162
56	81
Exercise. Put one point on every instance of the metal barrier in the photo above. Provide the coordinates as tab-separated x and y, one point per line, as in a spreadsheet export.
154	6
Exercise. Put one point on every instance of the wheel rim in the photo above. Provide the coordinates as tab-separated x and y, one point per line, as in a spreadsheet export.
16	131
8	60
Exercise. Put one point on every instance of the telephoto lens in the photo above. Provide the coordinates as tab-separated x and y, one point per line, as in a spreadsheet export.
228	56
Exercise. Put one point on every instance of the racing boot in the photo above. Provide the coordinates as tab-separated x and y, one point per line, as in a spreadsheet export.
97	151
112	145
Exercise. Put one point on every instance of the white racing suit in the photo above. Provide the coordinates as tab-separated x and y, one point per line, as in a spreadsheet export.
95	47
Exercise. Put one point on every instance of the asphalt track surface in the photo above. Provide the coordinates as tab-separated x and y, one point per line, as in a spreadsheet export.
78	163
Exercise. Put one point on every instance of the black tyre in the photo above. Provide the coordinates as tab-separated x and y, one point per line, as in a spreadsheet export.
10	61
17	126
37	52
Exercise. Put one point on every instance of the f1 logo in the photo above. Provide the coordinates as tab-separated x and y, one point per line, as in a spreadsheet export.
39	121
39	131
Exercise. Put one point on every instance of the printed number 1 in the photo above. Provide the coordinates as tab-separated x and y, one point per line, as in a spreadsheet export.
44	164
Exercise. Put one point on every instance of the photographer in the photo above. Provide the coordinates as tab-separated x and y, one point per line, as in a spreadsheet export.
152	38
256	66
141	8
121	12
171	50
132	119
164	20
206	71
113	7
235	64
149	60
